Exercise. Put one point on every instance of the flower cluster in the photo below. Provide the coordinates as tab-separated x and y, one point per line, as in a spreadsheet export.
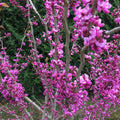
106	76
24	9
116	15
88	25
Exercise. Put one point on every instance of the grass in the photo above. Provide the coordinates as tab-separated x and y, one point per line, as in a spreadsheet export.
114	116
37	115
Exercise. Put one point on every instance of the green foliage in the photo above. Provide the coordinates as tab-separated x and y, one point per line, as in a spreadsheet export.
31	82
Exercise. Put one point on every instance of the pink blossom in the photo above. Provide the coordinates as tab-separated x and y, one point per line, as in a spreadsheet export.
103	5
38	41
7	34
35	23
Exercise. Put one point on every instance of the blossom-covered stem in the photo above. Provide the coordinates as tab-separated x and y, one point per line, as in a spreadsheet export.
28	114
21	45
66	3
101	117
6	68
32	32
56	36
46	29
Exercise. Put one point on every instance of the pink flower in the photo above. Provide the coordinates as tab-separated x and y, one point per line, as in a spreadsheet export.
38	41
7	34
35	23
85	81
103	5
52	53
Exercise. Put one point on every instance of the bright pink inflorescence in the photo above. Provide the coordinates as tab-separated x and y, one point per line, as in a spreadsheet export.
67	90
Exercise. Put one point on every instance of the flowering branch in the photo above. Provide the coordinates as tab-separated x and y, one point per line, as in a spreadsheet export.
42	21
32	32
26	98
84	48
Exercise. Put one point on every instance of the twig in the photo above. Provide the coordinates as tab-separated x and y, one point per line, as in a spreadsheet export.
60	117
36	11
46	101
35	98
28	114
44	23
36	106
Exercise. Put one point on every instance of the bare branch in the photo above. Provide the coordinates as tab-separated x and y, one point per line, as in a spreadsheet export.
60	117
94	6
36	106
116	51
67	35
35	98
114	30
36	11
82	58
28	114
